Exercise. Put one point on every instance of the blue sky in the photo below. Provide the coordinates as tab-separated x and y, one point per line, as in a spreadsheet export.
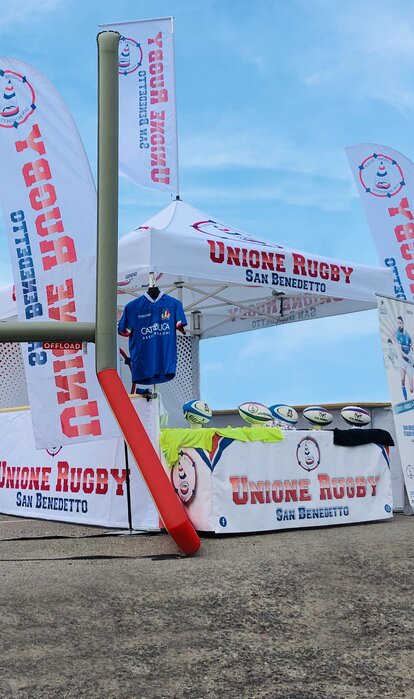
268	96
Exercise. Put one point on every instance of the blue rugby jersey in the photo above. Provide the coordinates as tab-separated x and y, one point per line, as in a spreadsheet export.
151	326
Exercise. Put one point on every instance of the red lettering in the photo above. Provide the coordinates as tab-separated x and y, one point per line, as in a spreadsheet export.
62	477
101	481
240	495
36	172
77	412
158	96
405	231
155	56
56	227
71	388
324	486
59	293
120	478
161	175
62	249
30	142
298	264
157	40
402	209
42	197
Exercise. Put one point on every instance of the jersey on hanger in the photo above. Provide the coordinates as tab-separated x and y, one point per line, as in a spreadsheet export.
151	326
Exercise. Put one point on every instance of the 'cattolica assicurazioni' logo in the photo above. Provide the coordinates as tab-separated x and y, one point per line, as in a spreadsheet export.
130	56
17	99
381	175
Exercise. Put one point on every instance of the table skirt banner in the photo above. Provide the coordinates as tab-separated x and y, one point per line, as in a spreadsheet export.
303	481
81	483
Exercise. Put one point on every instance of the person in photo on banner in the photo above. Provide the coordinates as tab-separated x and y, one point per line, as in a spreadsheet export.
392	357
406	365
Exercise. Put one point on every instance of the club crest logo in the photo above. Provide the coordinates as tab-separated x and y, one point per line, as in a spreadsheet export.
183	477
53	451
308	455
219	230
165	315
130	56
17	99
381	176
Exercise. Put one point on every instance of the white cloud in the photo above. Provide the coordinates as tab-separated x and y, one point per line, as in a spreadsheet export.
320	337
230	143
304	191
366	50
25	11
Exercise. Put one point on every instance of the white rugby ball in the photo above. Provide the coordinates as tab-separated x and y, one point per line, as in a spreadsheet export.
284	413
317	415
354	415
255	413
197	412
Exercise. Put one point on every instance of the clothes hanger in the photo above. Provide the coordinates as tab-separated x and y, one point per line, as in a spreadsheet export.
153	292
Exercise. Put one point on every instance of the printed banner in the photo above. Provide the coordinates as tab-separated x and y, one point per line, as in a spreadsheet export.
81	483
49	206
148	151
397	337
303	481
385	182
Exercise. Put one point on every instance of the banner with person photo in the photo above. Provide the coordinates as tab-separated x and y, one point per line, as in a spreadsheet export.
148	152
48	198
397	338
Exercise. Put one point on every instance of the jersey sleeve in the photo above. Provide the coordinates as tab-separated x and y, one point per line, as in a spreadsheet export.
180	318
124	327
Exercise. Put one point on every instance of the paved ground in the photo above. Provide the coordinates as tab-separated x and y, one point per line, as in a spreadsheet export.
303	614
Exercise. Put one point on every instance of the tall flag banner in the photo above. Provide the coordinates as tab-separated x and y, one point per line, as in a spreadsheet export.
49	206
148	151
385	182
397	338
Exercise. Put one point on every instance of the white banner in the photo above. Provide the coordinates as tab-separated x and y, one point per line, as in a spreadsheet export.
397	338
148	150
303	481
81	483
49	206
385	182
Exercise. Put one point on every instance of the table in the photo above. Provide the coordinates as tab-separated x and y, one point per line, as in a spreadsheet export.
304	480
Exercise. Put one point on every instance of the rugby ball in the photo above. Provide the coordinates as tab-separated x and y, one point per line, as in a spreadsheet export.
255	413
197	412
354	415
284	413
317	415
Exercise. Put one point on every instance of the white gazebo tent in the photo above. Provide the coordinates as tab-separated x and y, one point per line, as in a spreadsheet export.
230	282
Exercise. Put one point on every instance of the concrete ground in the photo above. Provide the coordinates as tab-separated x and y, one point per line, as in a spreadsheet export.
302	614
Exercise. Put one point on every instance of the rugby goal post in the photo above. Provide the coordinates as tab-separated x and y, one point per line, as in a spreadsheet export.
103	332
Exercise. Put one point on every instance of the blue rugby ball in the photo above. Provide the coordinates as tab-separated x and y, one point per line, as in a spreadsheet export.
197	412
284	413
